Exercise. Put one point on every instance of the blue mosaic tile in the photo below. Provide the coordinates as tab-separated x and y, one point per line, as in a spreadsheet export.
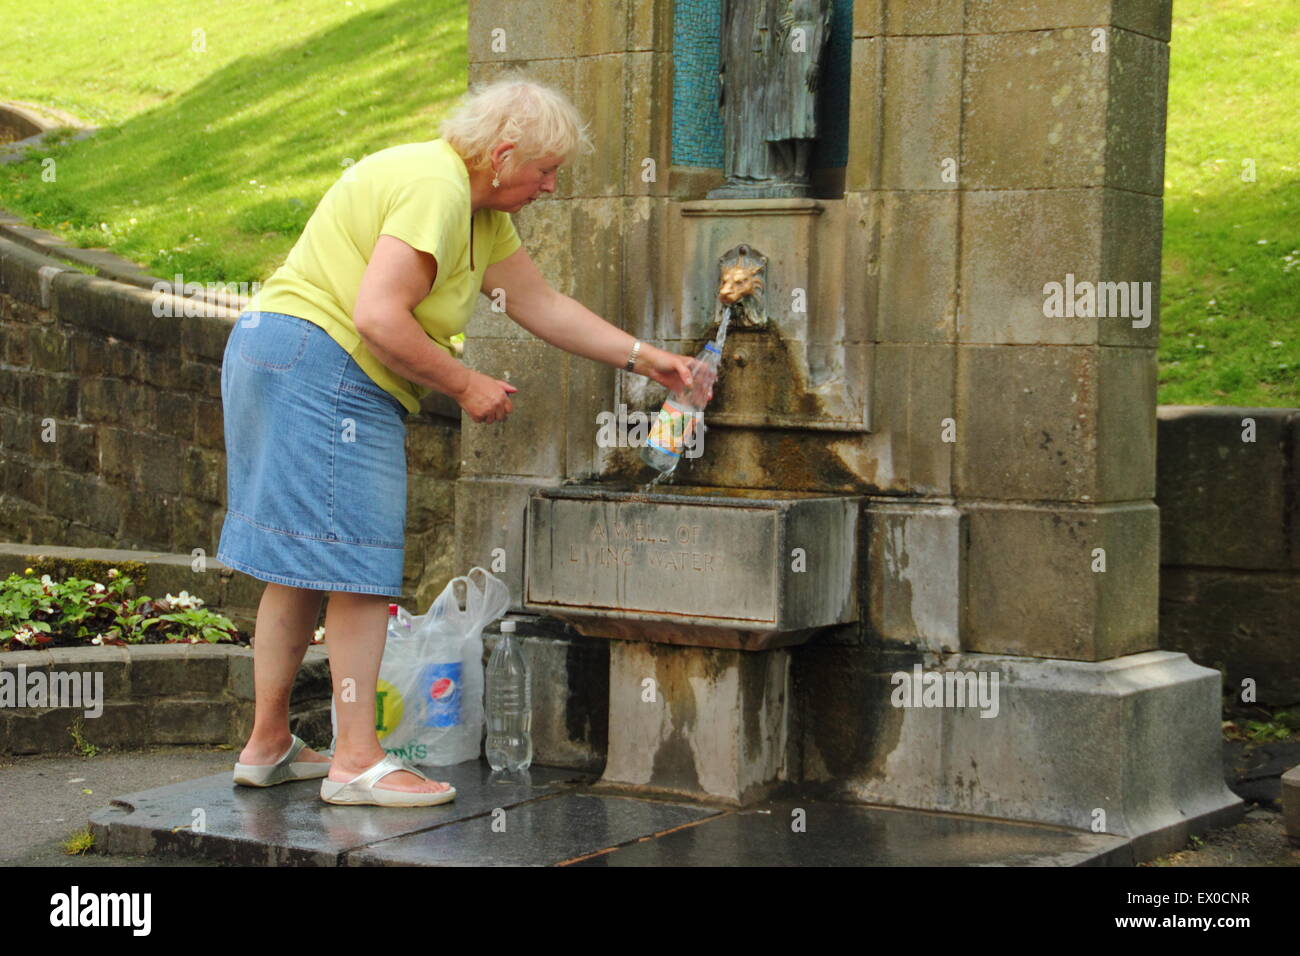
697	123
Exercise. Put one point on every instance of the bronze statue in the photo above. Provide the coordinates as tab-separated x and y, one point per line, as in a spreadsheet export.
804	28
769	75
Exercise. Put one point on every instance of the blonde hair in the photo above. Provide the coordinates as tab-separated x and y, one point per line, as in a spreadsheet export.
512	108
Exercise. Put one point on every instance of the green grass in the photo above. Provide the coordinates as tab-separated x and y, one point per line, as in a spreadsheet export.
1231	272
210	163
79	843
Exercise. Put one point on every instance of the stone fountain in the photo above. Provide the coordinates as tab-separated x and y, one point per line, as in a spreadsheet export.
913	476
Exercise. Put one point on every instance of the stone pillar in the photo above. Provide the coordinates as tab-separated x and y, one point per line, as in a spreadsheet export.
998	148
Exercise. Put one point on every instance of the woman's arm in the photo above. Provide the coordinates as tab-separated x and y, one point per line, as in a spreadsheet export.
567	324
397	279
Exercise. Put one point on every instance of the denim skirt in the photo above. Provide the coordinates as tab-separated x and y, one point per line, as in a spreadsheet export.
315	461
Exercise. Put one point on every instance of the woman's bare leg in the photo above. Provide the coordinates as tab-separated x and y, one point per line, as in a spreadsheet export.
355	626
286	618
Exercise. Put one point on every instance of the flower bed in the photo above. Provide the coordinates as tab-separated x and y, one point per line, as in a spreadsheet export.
38	613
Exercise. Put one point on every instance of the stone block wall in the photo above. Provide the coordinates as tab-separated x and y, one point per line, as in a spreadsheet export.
148	694
1229	497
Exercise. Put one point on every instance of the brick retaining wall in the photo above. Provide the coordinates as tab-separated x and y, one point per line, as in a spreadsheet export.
134	401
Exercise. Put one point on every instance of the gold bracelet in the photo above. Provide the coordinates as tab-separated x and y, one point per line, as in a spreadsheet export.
631	359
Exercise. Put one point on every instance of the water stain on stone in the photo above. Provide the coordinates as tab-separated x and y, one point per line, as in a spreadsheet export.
586	706
754	675
845	709
674	763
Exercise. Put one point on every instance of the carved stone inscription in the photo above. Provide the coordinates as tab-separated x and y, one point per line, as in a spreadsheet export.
623	544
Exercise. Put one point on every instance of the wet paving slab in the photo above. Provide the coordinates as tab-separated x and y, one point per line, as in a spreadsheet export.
557	817
547	832
215	819
804	833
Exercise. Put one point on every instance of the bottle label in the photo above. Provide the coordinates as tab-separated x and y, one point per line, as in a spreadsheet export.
674	430
441	684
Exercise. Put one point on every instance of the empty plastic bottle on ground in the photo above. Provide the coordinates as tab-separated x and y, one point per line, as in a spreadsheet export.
509	705
681	419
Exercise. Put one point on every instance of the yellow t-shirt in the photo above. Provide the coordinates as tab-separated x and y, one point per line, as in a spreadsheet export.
419	193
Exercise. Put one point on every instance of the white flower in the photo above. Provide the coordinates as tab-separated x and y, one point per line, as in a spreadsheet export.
47	581
184	599
98	588
112	572
97	639
25	635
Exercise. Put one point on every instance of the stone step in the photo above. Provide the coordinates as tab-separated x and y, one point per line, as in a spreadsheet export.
146	694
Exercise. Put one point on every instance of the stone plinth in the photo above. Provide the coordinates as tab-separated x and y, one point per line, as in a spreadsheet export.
705	723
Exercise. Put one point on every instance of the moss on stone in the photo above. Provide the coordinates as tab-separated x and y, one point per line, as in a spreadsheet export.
94	569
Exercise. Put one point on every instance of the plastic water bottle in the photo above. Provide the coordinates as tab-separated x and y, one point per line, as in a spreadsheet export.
399	617
399	622
681	419
509	705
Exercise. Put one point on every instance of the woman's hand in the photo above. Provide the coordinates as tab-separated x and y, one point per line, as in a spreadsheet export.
675	372
485	398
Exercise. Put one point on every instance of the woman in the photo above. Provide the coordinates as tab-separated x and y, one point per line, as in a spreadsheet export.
323	368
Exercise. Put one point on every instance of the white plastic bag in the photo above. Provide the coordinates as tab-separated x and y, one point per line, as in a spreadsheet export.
429	700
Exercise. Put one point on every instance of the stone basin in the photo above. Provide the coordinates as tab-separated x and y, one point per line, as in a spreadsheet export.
739	568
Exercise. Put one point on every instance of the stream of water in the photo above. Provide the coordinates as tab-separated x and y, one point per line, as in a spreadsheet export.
722	325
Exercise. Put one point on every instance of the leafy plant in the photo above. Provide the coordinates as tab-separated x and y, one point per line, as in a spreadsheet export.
1264	731
83	841
1281	725
40	612
79	742
199	623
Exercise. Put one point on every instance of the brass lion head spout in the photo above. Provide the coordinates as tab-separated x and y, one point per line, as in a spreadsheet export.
741	272
738	282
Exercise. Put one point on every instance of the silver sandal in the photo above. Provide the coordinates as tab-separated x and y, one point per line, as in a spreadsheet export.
283	770
361	790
